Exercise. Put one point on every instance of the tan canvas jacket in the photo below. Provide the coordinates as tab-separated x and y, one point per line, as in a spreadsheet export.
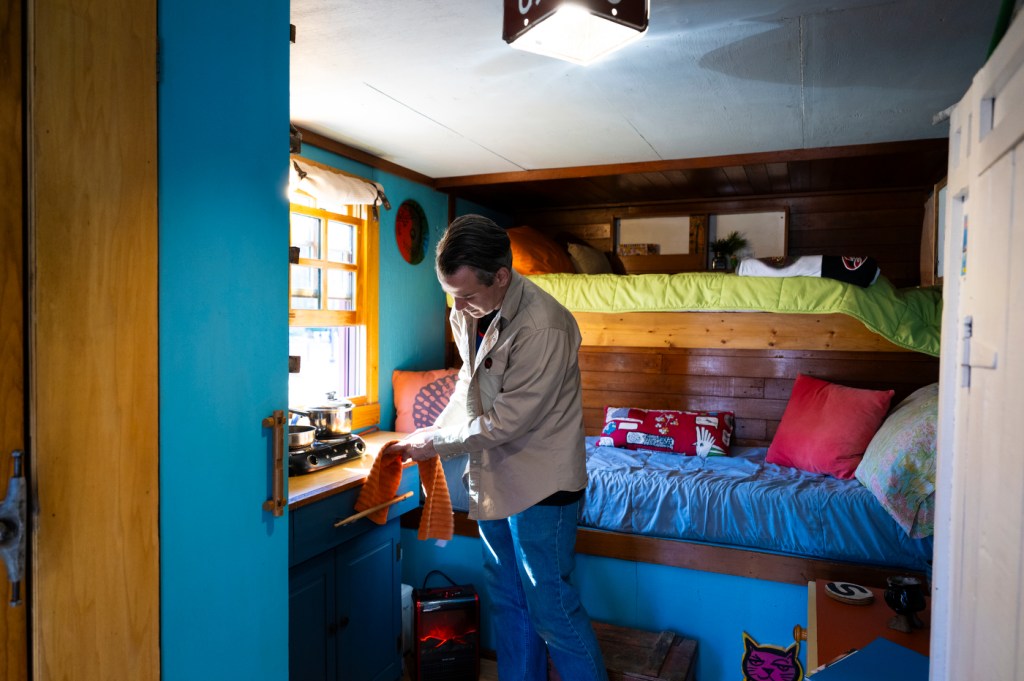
516	408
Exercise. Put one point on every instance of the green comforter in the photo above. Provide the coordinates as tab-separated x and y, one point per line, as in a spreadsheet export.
910	318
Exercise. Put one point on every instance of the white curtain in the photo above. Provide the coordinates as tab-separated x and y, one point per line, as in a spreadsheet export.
331	189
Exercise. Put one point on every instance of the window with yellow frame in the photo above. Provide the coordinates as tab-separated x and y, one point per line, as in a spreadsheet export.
332	307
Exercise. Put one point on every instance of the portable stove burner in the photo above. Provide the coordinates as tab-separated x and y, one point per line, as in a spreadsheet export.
324	454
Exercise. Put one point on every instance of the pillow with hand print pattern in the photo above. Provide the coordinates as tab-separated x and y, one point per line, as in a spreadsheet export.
693	433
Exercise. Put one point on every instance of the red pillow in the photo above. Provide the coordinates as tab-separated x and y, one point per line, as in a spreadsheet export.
826	427
420	396
667	430
534	252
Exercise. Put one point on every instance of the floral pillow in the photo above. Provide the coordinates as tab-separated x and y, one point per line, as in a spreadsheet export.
694	433
899	463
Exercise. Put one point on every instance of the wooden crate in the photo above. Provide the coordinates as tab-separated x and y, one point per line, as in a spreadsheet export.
635	655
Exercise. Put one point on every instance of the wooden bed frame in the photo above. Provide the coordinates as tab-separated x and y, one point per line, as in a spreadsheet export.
703	557
730	331
744	362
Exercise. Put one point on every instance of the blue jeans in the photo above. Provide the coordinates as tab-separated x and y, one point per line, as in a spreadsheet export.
528	560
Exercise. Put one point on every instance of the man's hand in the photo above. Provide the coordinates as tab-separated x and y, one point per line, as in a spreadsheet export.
418	446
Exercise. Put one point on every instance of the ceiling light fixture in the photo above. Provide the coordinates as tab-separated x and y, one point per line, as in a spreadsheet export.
578	31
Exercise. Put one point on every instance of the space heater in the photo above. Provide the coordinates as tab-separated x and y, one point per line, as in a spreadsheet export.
446	625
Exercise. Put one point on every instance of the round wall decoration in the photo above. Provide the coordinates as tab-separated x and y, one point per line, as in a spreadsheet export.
411	231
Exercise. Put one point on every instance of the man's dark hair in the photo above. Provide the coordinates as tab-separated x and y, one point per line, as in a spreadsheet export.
476	242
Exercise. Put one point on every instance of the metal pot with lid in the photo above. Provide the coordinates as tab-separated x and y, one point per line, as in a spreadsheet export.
332	420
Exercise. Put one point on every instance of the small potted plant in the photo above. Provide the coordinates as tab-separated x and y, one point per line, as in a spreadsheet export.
724	250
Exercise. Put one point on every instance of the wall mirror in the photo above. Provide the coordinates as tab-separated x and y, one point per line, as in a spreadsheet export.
654	236
665	244
767	233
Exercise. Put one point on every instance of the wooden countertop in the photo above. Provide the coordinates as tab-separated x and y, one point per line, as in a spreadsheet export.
305	489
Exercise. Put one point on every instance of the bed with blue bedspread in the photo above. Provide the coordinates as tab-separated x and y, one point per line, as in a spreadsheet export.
741	501
738	501
737	344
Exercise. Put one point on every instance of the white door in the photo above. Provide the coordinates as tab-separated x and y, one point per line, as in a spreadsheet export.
980	544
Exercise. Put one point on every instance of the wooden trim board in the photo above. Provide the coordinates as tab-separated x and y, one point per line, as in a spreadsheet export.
702	557
730	330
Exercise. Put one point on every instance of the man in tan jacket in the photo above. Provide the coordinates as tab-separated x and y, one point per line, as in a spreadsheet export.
517	411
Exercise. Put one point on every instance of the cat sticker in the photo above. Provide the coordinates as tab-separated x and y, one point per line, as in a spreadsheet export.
771	663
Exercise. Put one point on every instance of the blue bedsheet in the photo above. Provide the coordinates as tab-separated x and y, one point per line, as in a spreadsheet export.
744	502
738	501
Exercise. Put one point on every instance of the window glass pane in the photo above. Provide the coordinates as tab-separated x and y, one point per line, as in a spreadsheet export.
341	242
341	290
306	235
333	359
305	292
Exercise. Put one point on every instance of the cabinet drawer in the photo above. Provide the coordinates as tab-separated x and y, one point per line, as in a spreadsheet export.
312	526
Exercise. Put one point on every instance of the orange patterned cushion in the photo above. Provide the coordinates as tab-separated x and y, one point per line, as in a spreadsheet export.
420	396
536	253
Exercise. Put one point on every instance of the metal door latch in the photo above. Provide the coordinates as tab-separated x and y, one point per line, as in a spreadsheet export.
12	529
977	354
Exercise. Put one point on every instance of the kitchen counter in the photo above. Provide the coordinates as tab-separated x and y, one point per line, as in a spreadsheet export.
305	489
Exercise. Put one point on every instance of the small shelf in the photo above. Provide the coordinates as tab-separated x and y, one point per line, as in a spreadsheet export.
834	628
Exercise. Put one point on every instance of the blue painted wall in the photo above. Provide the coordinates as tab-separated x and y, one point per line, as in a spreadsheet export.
223	160
710	608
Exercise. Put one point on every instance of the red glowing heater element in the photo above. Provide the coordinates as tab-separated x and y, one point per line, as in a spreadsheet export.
448	635
577	31
447	630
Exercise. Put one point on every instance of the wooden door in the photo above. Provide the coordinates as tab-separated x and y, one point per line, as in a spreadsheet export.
980	548
92	350
13	622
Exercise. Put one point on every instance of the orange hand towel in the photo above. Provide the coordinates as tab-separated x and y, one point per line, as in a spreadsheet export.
437	520
381	484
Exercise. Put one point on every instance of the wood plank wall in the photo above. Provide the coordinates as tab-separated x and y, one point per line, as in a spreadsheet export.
755	384
882	224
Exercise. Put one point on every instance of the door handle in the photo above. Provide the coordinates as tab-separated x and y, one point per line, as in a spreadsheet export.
12	530
276	503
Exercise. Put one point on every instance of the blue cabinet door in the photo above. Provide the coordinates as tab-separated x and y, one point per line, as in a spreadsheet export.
346	611
313	620
369	606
